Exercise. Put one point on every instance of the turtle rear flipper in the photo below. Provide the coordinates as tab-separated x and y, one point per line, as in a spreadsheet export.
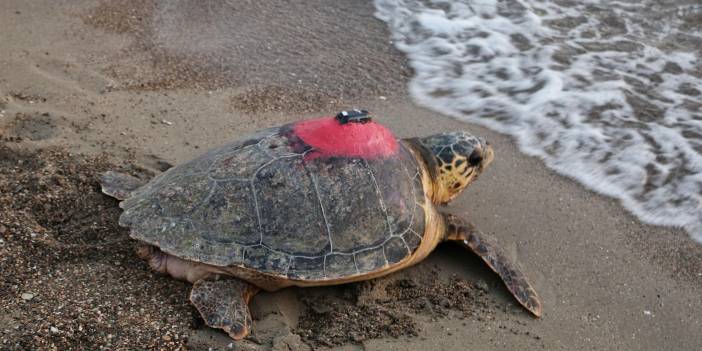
119	185
487	249
224	304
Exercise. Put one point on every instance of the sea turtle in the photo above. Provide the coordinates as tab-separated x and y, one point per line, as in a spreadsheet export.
311	203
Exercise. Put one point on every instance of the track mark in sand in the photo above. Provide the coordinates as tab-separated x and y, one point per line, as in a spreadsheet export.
73	75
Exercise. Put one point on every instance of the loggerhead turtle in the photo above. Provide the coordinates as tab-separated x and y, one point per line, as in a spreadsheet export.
318	202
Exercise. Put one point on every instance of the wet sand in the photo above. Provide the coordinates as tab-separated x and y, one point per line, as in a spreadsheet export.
86	86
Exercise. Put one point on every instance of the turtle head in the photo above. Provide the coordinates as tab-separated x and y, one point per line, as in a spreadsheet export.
455	160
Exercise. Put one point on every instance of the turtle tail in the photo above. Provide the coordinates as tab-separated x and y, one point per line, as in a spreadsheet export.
119	185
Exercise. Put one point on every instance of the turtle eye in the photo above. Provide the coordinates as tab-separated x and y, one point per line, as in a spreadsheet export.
475	158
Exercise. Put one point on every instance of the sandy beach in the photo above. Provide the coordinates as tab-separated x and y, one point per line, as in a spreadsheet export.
87	86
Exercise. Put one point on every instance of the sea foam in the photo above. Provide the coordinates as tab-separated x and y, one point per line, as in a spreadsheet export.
606	92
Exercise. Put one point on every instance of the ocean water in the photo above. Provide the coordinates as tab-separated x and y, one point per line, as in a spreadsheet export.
606	92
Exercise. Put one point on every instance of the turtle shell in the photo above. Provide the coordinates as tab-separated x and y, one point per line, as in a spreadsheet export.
283	203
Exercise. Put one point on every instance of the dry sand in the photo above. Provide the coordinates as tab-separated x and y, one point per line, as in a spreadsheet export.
86	86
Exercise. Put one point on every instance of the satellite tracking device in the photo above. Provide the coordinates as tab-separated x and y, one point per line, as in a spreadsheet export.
353	116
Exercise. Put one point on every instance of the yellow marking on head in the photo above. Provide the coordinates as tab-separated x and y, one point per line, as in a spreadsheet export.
453	160
456	176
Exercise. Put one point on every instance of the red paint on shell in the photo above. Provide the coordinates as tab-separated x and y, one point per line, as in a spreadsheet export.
333	139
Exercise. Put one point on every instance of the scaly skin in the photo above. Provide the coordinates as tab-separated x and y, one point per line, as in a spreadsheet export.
487	249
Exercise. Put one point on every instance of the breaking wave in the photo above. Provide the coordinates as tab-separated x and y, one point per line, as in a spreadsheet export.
606	92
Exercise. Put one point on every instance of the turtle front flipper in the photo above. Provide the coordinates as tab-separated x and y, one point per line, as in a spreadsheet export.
224	304
486	248
119	185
